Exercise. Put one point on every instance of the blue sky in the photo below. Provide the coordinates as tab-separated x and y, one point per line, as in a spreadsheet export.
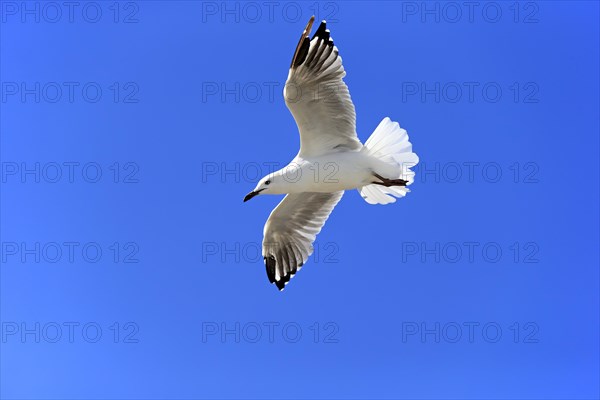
131	131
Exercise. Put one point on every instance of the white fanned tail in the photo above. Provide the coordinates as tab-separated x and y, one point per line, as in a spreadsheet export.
389	143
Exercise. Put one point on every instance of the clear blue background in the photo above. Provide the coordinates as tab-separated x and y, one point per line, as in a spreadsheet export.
364	282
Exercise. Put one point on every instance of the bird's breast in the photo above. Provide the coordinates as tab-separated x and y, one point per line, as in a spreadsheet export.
329	173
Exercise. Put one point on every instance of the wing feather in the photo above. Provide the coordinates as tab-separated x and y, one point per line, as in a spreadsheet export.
291	230
318	98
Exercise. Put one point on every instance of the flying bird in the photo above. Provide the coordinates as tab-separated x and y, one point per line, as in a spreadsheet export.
331	158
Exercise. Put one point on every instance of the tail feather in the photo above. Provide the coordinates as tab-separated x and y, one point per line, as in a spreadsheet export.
389	143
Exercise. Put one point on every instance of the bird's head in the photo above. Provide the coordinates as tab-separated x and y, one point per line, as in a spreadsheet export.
270	184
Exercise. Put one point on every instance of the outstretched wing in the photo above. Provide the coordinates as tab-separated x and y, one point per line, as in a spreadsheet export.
318	98
291	230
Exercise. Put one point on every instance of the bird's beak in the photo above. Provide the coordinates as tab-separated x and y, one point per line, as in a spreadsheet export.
252	194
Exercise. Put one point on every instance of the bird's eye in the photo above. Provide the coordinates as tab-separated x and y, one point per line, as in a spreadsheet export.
267	182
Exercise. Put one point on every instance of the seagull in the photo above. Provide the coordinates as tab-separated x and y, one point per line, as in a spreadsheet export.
331	158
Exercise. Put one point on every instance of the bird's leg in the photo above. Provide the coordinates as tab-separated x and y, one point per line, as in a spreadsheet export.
389	182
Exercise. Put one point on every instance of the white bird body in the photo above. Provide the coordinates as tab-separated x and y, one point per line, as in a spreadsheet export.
333	172
331	159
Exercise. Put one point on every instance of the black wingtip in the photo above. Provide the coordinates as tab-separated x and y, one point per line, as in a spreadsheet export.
284	279
270	264
322	32
303	45
302	52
